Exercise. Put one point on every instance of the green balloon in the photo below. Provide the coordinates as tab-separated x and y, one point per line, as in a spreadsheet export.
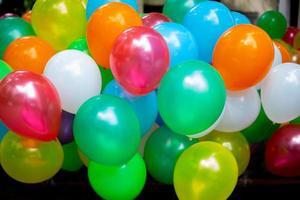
177	9
80	45
5	69
295	121
72	161
107	76
261	129
118	182
274	23
107	130
13	28
191	97
162	150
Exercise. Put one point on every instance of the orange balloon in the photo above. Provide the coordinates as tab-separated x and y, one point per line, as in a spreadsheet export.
285	55
105	25
243	56
28	53
27	16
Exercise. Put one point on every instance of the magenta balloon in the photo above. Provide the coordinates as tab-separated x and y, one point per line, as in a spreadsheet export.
139	59
30	105
152	19
8	15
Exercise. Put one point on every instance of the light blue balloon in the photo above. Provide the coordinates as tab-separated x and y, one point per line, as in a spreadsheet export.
3	130
239	18
181	43
145	107
92	5
207	21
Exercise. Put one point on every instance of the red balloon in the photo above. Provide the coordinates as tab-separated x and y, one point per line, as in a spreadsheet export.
139	59
30	105
290	35
282	156
152	19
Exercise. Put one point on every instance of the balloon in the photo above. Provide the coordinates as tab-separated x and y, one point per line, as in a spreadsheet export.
105	25
247	46
11	29
242	109
30	105
28	53
28	160
285	55
177	9
84	159
27	16
5	69
282	155
145	138
197	95
65	134
6	15
154	18
72	160
93	5
59	22
207	21
118	182
274	23
3	130
107	76
280	93
290	35
162	150
145	107
107	130
239	18
150	60
159	120
295	54
295	121
181	43
80	44
296	43
206	170
76	77
234	142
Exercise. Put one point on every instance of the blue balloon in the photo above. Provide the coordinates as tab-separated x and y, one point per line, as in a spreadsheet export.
207	21
181	43
145	107
3	130
239	18
92	5
159	121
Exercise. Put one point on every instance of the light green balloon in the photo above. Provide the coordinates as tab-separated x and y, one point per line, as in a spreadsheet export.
5	69
72	161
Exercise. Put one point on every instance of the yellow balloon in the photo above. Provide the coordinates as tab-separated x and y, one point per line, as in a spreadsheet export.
28	160
206	170
234	142
60	22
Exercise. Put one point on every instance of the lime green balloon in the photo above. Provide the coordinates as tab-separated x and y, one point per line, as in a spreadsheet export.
191	98
5	69
106	75
28	160
177	9
295	121
261	130
234	142
13	28
162	150
72	161
274	23
107	130
60	22
80	45
206	170
118	182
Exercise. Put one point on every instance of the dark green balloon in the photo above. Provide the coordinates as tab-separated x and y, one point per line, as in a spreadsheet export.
5	69
72	161
295	121
261	129
107	130
118	182
162	150
274	23
80	45
12	28
177	9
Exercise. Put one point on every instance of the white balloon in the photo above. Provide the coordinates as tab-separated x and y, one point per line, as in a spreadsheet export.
76	77
242	109
280	93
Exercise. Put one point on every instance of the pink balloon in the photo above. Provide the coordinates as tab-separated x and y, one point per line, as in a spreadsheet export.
139	59
30	105
8	15
152	19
